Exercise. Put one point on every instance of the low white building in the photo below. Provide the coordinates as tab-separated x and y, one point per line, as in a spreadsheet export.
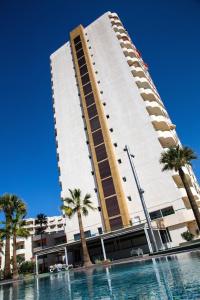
54	233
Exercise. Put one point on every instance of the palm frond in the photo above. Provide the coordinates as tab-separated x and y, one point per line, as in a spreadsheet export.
84	211
69	201
69	212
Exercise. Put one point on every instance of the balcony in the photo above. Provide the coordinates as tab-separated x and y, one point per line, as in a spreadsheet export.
167	139
132	61
119	28
181	216
142	82
113	15
37	237
154	108
137	71
178	181
116	22
160	123
122	36
36	249
20	251
127	45
148	94
194	192
130	53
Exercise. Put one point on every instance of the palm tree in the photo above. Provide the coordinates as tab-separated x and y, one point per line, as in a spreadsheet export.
41	220
6	206
18	230
78	205
175	158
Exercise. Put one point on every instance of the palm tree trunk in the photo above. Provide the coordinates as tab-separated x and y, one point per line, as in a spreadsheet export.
191	198
43	262
86	258
15	270
7	272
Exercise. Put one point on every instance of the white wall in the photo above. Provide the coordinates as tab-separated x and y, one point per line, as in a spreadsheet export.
75	165
130	121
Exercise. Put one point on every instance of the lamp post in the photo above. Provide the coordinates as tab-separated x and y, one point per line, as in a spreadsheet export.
141	194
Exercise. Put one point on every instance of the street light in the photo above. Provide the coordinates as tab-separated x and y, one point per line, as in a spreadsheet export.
141	194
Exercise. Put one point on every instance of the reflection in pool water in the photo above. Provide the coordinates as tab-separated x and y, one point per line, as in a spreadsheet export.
171	277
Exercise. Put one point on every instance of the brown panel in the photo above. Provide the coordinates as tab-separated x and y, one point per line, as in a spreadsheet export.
81	62
101	152
89	99
116	223
80	53
92	111
87	88
97	137
94	123
78	46
104	169
108	187
83	70
77	39
85	79
112	206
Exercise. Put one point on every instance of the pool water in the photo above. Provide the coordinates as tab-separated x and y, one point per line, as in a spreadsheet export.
172	277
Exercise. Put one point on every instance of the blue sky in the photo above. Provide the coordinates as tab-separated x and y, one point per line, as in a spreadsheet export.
166	33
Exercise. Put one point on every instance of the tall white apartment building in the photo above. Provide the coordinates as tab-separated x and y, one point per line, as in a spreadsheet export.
103	99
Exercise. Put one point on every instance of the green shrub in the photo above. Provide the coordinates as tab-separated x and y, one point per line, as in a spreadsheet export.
27	267
188	236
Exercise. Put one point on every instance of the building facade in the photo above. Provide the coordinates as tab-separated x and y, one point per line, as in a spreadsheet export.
54	234
103	99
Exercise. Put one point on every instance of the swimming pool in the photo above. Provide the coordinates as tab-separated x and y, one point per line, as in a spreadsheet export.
172	277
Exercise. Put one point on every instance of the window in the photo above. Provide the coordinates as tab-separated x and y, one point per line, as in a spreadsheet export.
104	169
97	137
167	211
87	88
77	39
20	245
116	223
101	152
94	123
155	214
78	46
81	61
112	206
86	233
80	53
100	231
108	187
89	99
92	111
83	70
85	79
162	212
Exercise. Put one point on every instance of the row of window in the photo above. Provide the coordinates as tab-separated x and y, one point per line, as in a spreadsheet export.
162	213
98	140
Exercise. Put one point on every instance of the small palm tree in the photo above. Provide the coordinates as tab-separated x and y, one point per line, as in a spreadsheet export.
176	158
41	220
6	206
80	206
18	230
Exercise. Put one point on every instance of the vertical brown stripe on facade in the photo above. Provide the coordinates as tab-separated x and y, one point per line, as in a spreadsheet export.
97	133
